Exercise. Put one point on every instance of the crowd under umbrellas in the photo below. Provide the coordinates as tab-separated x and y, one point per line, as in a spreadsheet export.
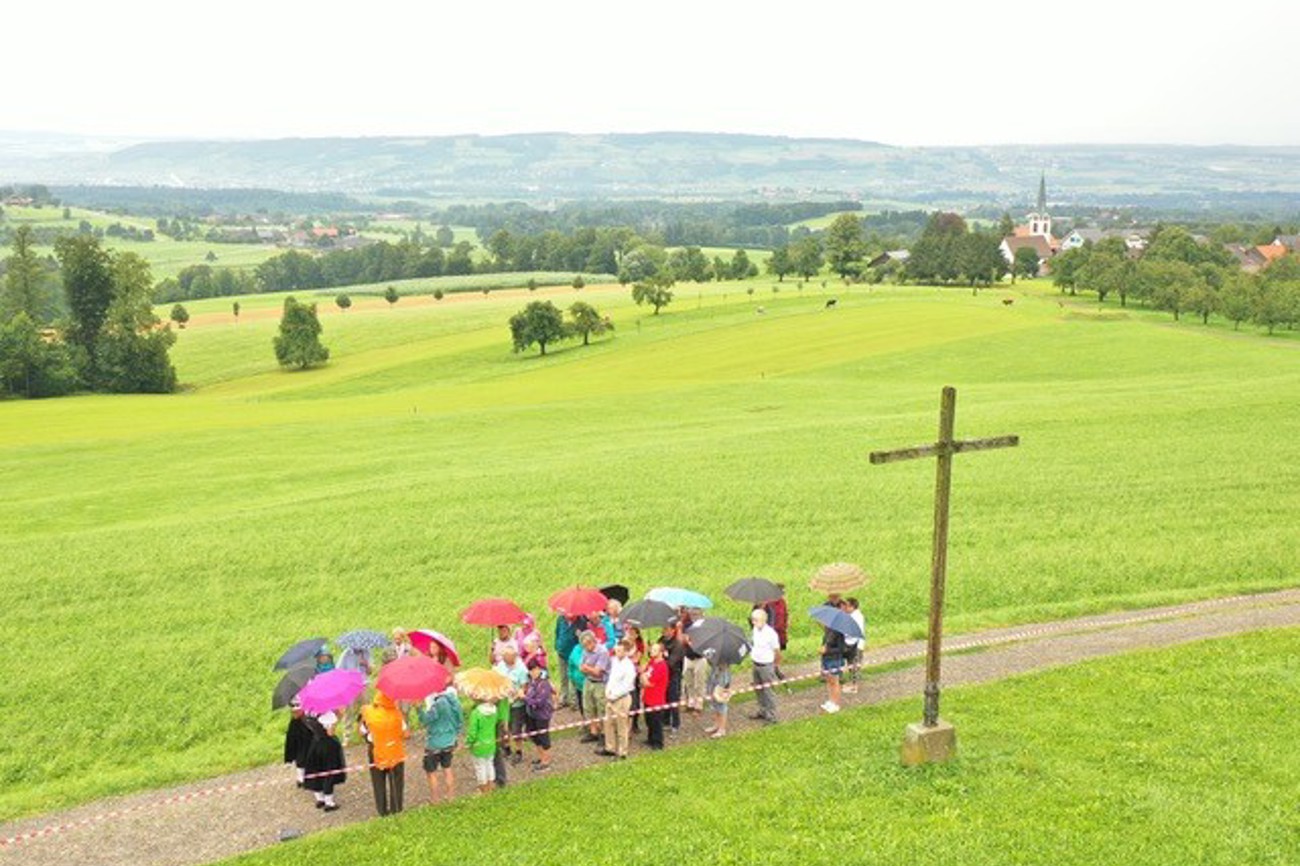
384	688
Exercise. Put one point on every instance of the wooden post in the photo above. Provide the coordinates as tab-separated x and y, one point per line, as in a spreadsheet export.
934	740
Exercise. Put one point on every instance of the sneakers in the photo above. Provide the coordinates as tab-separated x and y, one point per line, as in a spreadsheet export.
329	807
711	730
717	735
541	768
589	738
830	707
606	753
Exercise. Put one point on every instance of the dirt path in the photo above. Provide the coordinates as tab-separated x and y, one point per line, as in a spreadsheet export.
216	818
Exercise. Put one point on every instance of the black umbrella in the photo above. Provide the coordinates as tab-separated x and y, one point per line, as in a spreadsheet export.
719	641
290	684
363	639
647	613
836	620
300	652
754	590
616	591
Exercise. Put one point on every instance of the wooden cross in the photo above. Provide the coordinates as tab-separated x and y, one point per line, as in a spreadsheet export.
943	449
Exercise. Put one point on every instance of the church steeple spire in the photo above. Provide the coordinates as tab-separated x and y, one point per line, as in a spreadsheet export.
1042	193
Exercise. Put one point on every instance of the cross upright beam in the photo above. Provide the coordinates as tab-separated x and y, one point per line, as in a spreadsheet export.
943	449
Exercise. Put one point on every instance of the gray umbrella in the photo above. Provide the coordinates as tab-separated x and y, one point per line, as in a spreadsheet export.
755	590
647	613
719	641
300	652
363	639
290	684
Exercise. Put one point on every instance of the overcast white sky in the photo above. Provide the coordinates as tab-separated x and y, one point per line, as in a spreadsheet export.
901	72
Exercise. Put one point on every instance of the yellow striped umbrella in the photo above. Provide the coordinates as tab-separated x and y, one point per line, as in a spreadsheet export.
838	577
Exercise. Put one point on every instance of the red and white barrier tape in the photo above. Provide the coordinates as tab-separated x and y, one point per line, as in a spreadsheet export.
955	645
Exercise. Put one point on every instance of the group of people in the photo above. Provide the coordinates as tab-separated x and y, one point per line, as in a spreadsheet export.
603	667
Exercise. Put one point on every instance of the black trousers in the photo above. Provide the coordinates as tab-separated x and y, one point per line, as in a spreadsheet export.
654	724
389	786
674	713
636	705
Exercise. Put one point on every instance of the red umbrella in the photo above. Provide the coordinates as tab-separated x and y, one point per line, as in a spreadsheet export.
493	611
424	639
578	601
412	678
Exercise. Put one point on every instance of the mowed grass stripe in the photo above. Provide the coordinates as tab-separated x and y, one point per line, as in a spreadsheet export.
174	545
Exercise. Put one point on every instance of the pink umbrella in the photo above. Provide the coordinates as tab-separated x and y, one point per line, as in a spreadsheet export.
412	678
331	690
424	639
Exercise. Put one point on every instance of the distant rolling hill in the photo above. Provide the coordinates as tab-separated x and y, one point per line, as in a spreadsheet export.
545	166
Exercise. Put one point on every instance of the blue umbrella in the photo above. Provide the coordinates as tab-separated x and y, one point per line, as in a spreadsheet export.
363	639
836	620
676	597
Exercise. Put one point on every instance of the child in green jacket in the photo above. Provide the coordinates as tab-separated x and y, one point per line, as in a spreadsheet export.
481	740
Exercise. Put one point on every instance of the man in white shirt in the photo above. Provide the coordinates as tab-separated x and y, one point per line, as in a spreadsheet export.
766	655
618	701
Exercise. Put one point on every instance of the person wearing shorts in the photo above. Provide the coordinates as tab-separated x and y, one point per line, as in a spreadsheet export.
833	651
441	718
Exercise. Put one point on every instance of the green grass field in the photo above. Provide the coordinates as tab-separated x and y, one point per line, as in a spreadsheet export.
1147	760
161	551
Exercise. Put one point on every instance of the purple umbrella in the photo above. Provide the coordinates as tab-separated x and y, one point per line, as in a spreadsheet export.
331	690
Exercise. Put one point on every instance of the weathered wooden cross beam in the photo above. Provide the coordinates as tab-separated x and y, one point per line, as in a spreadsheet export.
920	746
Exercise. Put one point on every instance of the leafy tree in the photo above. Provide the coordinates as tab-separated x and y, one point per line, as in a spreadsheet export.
806	257
88	285
32	366
937	255
780	263
690	263
390	295
587	321
741	267
980	259
444	236
180	315
846	245
1237	298
437	294
132	351
26	287
642	263
655	291
343	302
234	308
1067	265
540	322
532	284
1026	263
1275	304
461	260
298	343
578	282
1006	227
1203	300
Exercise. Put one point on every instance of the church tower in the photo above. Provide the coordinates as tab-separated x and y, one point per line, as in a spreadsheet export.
1040	222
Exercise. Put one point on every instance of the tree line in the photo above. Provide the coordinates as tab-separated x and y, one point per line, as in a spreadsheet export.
1181	275
108	338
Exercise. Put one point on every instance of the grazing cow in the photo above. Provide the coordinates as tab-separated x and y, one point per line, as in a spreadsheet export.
832	302
1008	301
760	310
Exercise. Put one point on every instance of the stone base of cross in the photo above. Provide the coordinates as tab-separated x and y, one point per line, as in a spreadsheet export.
934	740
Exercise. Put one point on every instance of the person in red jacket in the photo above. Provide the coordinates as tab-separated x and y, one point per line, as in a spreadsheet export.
778	615
654	694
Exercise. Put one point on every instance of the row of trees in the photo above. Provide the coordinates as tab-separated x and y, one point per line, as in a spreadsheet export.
1180	275
949	252
110	339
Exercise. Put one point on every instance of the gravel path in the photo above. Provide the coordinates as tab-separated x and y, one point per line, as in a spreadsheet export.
217	818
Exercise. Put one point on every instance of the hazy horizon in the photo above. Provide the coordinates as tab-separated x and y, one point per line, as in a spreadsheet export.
1107	72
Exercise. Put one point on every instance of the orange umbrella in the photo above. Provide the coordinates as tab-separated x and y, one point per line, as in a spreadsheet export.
481	684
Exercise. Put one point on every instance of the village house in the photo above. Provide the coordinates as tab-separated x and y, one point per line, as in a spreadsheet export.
1134	239
1035	233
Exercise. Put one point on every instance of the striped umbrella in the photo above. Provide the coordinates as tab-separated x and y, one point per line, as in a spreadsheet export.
838	577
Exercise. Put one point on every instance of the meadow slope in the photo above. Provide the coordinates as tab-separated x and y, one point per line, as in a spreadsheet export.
161	551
